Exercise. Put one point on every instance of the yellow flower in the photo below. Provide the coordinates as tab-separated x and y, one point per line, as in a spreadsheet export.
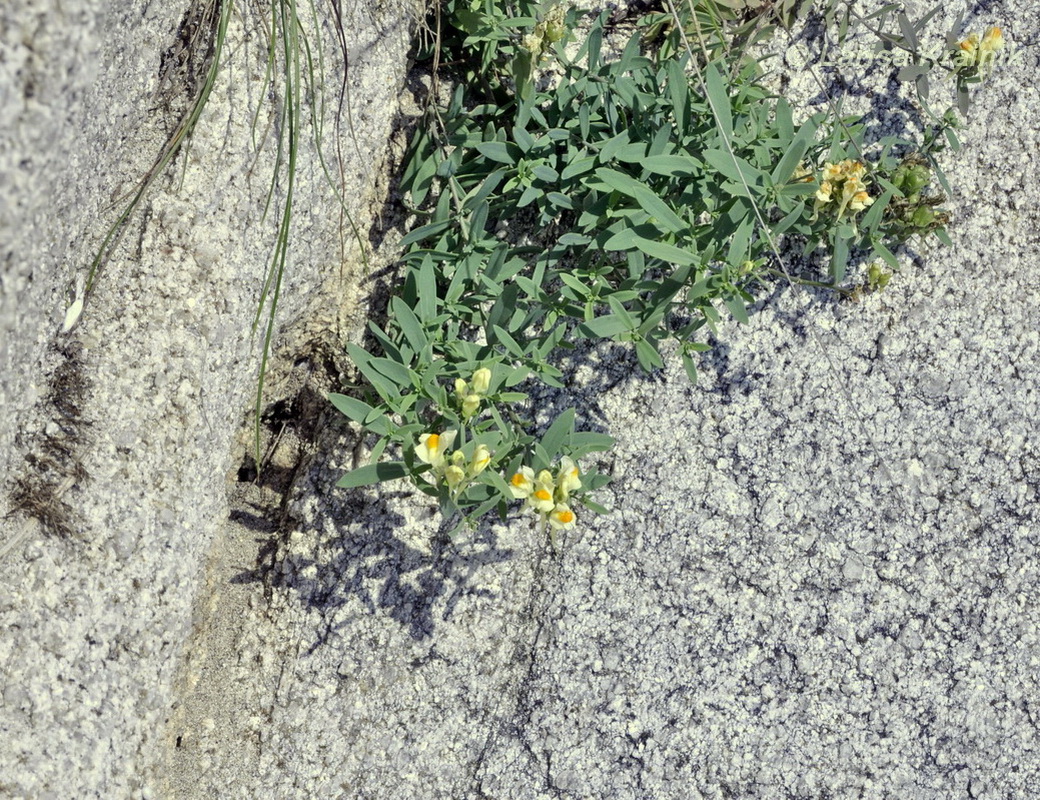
860	200
854	170
522	483
541	499
562	518
992	42
568	479
967	51
802	174
479	462
850	176
832	172
432	447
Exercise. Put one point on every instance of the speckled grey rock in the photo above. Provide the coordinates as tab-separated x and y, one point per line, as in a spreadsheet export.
819	579
121	434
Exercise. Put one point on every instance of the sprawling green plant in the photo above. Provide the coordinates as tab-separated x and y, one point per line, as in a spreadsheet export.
564	196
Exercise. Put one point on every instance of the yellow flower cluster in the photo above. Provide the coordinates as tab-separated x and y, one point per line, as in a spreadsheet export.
843	184
973	52
454	469
471	393
547	495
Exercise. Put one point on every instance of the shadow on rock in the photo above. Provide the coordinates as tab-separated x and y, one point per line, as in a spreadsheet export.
369	566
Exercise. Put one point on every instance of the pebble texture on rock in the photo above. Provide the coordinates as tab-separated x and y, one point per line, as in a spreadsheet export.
122	433
820	578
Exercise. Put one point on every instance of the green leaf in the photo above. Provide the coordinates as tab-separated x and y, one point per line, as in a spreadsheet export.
784	121
739	241
398	373
410	325
427	284
351	407
619	310
425	232
839	258
560	201
511	345
911	72
478	221
363	360
558	433
873	216
666	252
644	195
735	168
594	507
523	138
577	167
789	163
690	367
789	220
719	98
887	255
611	146
737	309
373	473
649	358
604	327
575	284
584	442
672	166
496	151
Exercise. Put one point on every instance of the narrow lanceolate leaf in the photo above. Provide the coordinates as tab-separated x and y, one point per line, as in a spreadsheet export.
373	473
363	360
604	327
643	195
671	165
559	432
873	216
789	163
666	252
427	283
719	98
737	309
733	167
496	151
410	325
356	410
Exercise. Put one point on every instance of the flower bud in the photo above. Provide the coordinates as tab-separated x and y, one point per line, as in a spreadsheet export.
568	479
454	476
481	381
479	462
470	405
